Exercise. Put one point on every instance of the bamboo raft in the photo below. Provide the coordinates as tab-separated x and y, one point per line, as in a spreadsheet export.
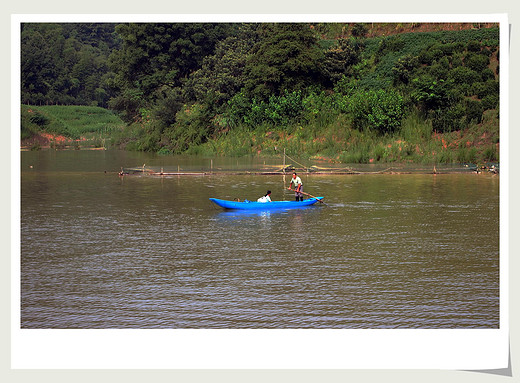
284	169
275	170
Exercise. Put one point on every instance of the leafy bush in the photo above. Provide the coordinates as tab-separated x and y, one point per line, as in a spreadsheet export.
431	94
380	110
474	111
404	67
192	128
474	46
464	75
490	102
448	119
278	111
476	62
359	30
488	88
388	45
340	59
39	119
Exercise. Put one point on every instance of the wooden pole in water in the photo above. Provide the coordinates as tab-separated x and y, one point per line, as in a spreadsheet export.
283	176
284	160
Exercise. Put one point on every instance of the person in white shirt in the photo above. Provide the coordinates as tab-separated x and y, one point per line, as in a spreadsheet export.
265	198
298	187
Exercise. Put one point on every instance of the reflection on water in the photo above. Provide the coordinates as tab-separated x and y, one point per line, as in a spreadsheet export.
267	213
387	251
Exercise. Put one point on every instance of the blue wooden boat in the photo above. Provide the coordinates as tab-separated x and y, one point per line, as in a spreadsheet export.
250	205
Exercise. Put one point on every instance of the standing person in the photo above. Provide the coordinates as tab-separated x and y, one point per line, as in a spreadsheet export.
298	187
265	198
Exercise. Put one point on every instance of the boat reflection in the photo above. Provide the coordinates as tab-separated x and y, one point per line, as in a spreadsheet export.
231	215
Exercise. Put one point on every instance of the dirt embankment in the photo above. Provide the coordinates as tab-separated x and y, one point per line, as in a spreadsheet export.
44	140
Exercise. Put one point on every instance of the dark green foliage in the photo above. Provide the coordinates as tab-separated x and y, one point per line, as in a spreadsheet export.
184	85
403	69
476	62
448	119
277	111
381	110
464	75
490	101
193	127
487	88
389	45
222	74
474	46
340	58
474	111
286	58
359	30
65	63
455	84
39	119
167	105
430	94
156	58
237	108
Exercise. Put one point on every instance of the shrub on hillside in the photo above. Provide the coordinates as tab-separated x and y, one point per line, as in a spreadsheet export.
380	110
39	119
476	62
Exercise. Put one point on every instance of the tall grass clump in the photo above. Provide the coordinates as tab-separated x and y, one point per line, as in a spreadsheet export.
414	129
467	155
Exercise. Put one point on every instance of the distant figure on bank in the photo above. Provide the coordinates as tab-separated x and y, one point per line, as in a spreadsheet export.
265	198
298	187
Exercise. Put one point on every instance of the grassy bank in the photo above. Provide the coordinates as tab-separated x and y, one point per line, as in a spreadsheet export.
335	140
57	125
414	142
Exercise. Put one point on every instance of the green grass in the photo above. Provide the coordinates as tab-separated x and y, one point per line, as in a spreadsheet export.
70	121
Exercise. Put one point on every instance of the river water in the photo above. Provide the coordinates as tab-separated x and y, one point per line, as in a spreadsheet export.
140	251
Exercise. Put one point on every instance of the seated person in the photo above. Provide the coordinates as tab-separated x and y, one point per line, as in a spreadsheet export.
265	198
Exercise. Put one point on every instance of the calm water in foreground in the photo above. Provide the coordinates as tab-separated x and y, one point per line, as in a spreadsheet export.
386	251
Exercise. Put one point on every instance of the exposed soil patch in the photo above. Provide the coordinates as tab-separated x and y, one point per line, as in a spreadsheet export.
44	140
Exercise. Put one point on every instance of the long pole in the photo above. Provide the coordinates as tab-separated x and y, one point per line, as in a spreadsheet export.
310	195
284	160
283	168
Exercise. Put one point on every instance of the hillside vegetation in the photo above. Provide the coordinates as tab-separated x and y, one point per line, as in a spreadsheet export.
348	92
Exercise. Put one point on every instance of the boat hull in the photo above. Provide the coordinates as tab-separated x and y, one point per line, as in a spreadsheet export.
249	205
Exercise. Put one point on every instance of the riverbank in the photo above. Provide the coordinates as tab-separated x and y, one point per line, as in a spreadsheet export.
415	142
337	142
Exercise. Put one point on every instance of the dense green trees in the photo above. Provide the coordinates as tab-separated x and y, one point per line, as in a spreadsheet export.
66	63
286	58
183	84
154	60
221	75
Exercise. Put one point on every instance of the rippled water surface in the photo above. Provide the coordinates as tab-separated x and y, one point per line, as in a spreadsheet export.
385	251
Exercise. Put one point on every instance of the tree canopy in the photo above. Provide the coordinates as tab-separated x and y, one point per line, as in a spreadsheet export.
188	82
